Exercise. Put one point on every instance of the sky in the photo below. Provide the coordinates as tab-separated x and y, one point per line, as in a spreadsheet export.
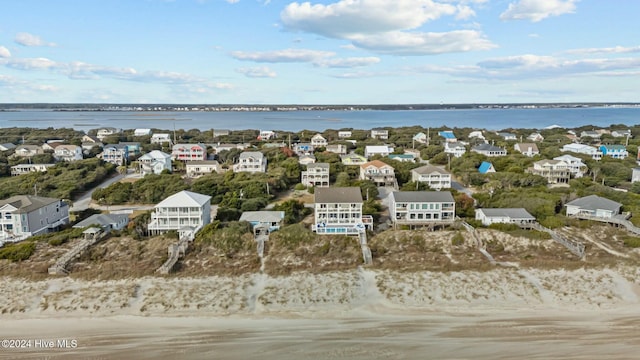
319	52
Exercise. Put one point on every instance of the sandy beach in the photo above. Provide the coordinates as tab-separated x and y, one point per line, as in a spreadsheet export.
361	314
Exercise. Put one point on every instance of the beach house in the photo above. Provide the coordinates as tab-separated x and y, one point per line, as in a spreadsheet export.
379	173
593	206
28	150
142	132
338	210
518	216
353	159
437	178
457	149
266	221
448	136
196	169
318	140
382	150
344	134
555	171
339	149
419	208
22	169
107	131
576	167
486	168
251	161
381	134
185	212
154	162
189	152
66	152
527	149
316	175
22	216
161	138
489	150
115	154
583	149
614	151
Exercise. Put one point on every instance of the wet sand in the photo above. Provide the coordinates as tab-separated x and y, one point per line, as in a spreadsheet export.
483	335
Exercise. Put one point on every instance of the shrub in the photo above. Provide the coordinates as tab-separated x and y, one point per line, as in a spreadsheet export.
292	236
457	239
631	241
18	251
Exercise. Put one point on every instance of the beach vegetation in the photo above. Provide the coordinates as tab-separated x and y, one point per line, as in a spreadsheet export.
18	251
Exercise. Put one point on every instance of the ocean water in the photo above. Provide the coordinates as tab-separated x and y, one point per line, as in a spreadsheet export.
490	119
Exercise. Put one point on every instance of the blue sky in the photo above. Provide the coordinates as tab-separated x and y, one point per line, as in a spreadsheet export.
319	52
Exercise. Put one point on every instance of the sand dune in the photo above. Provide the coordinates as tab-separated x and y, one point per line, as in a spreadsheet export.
360	314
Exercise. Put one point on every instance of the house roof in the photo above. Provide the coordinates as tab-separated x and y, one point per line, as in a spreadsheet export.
513	213
614	147
526	147
377	163
506	134
352	156
7	146
338	195
377	148
447	134
202	162
155	154
422	196
595	202
485	167
401	156
184	199
262	216
318	165
251	154
429	169
486	147
102	220
568	158
27	203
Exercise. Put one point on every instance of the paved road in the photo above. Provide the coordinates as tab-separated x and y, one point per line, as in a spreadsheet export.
82	203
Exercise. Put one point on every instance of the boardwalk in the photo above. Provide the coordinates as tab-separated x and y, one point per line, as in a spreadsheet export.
176	251
60	267
620	220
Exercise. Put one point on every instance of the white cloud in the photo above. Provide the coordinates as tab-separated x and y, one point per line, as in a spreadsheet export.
31	63
26	39
349	17
286	55
536	10
257	72
464	12
403	43
4	52
350	62
609	50
386	26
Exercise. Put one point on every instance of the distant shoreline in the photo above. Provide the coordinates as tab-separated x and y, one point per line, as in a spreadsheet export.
297	107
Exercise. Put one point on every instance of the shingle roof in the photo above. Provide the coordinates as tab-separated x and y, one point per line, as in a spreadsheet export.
185	199
338	195
486	147
595	202
429	169
262	216
422	196
513	213
318	165
27	203
377	163
101	219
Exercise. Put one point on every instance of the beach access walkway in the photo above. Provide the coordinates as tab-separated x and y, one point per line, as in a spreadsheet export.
91	237
177	251
617	220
